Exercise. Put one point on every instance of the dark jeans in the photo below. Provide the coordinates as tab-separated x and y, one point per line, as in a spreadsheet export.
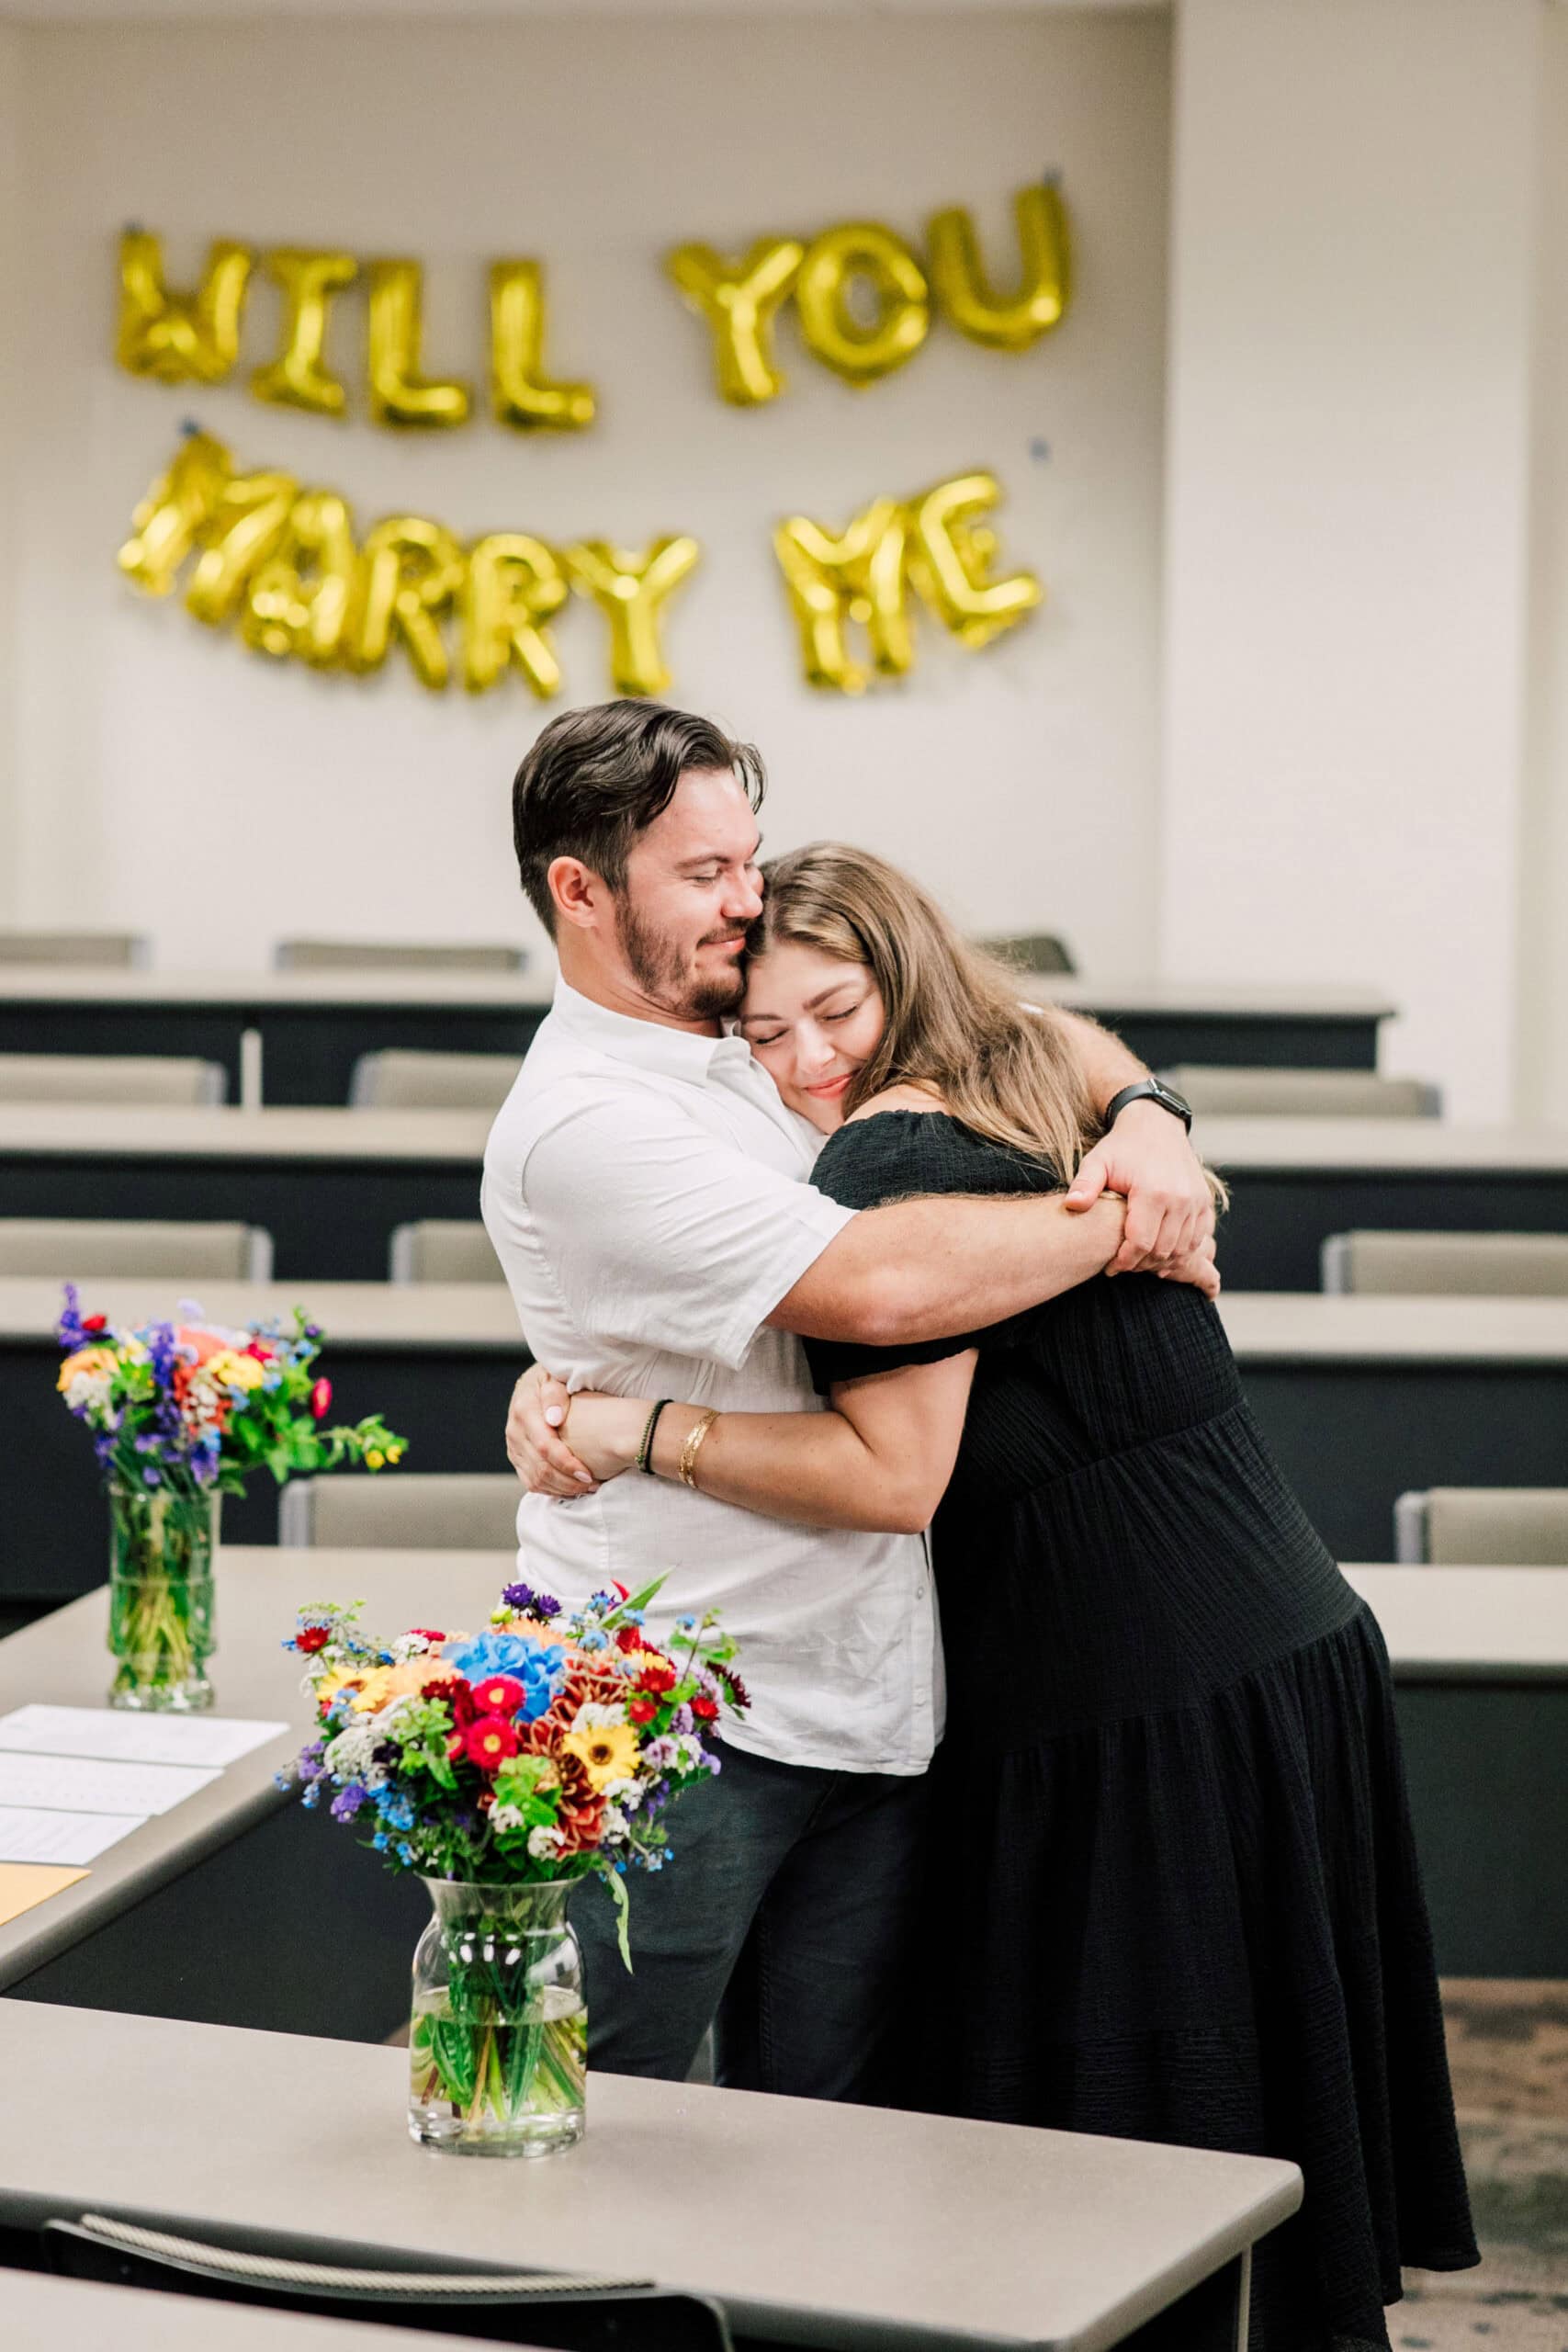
781	1919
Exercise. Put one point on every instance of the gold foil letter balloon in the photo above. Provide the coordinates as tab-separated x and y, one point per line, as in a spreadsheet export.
857	575
167	524
739	301
296	379
240	531
949	559
409	571
179	338
521	393
631	591
299	599
514	587
860	257
1006	323
399	394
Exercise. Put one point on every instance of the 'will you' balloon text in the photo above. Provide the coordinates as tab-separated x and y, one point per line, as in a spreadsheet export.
863	299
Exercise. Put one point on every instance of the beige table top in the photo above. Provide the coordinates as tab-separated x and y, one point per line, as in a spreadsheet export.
476	1317
1262	1326
1307	1327
291	1133
1470	1624
531	988
809	2222
61	1661
525	992
222	1131
36	2309
1376	1145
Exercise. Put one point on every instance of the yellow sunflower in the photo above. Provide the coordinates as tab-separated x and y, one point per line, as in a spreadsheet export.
606	1752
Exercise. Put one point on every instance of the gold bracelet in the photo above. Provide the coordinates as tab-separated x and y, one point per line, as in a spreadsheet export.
689	1451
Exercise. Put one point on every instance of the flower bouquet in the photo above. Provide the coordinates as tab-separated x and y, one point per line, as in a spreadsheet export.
182	1413
504	1767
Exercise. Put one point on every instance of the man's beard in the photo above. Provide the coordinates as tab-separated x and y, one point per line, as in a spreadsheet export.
666	979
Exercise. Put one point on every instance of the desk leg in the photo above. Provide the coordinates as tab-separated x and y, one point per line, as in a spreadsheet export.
1211	2317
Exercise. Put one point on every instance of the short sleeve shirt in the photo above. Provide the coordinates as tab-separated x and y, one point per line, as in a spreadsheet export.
649	1198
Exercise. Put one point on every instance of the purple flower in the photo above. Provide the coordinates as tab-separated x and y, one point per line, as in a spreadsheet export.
151	1477
346	1803
69	1328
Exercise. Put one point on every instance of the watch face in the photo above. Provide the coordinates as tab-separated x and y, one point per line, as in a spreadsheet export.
1172	1101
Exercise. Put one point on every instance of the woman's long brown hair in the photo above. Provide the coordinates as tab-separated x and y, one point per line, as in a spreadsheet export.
956	1024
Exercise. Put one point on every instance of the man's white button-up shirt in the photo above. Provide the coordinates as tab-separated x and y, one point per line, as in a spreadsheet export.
649	1199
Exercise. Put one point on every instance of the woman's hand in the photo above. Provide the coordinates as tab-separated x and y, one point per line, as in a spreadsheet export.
606	1432
542	1459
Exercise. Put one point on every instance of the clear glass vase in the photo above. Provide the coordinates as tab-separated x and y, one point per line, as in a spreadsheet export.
160	1546
498	2039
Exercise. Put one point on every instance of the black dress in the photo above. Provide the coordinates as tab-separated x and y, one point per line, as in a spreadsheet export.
1171	1816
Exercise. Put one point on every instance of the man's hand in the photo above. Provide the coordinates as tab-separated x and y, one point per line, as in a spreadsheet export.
1170	1211
544	1461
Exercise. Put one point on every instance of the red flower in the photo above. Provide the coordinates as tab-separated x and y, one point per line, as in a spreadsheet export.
641	1709
321	1399
623	1591
427	1633
94	1322
657	1674
262	1352
459	1696
488	1741
704	1708
499	1696
454	1744
310	1638
485	1800
630	1638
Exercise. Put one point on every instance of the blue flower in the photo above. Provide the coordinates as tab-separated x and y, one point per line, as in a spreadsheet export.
492	1653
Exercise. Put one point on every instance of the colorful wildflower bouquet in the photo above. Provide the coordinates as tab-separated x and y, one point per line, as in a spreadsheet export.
504	1767
181	1412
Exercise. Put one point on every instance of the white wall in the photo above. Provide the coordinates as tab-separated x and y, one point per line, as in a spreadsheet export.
10	453
1543	912
172	780
1350	363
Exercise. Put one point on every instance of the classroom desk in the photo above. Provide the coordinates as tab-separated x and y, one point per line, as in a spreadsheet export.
1362	1398
309	1027
37	2310
328	1186
1480	1658
811	2223
222	1908
439	1359
1294	1182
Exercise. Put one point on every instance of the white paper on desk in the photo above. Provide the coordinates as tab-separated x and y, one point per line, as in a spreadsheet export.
83	1784
28	1836
133	1739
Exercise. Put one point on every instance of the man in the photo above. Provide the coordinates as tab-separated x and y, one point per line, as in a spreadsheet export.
649	1197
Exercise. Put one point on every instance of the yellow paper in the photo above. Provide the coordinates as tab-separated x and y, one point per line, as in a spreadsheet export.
22	1885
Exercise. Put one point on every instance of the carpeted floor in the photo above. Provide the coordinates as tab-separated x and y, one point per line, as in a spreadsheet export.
1508	2048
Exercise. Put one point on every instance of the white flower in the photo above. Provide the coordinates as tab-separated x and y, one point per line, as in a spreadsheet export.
628	1794
613	1825
88	1391
595	1718
409	1646
506	1816
545	1841
352	1755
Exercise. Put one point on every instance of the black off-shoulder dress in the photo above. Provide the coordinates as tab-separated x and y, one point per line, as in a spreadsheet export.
1173	1854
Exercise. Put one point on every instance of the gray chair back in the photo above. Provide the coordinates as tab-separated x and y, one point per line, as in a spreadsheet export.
1223	1093
1034	950
369	955
395	1080
1505	1527
116	947
1478	1265
66	1248
110	1078
421	1512
443	1250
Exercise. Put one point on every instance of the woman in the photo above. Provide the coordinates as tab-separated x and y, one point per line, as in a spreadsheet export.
1175	1891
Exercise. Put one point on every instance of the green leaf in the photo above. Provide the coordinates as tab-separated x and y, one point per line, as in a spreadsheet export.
622	1901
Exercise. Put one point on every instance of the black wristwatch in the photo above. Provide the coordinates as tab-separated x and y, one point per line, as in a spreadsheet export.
1150	1089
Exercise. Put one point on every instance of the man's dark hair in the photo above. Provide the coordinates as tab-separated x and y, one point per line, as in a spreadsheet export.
595	778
